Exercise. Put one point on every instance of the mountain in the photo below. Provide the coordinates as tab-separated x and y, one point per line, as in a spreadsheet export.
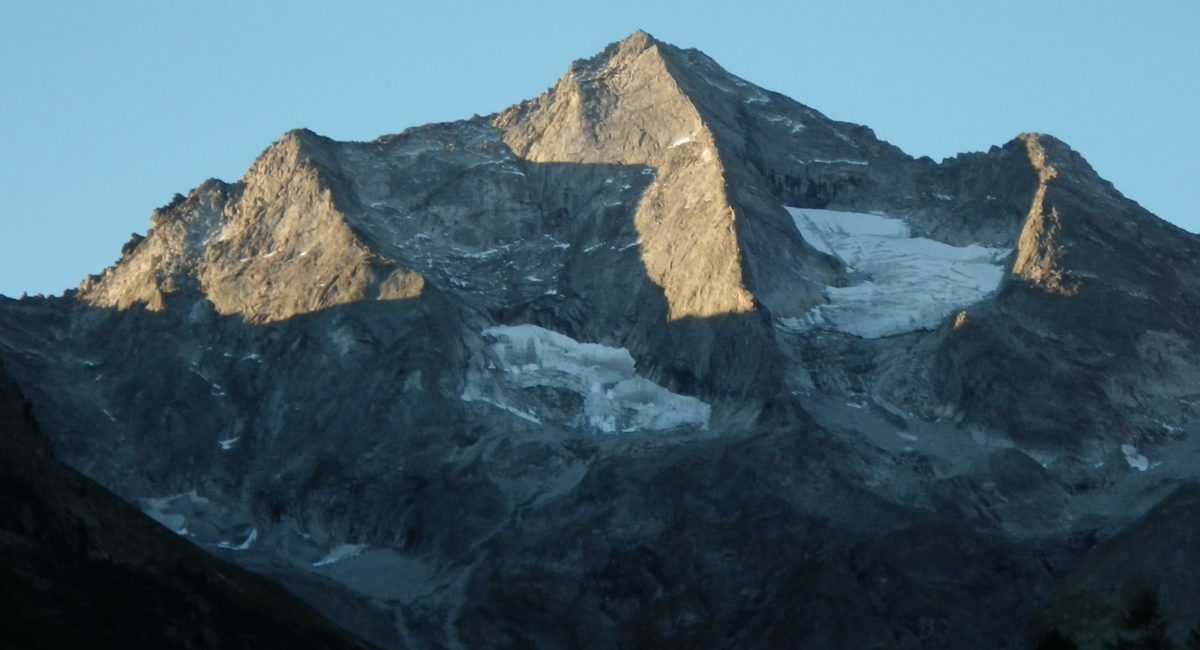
658	358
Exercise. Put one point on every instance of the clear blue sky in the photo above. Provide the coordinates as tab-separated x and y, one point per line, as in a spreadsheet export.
109	108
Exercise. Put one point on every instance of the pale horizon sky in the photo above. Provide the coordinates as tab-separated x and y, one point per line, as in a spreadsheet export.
108	109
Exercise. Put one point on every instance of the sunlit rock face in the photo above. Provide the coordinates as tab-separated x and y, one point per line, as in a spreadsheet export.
656	358
270	247
625	107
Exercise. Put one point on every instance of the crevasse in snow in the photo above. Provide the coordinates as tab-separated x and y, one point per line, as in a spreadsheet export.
904	283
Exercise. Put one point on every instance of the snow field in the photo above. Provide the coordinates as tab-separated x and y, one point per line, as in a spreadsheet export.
905	283
615	398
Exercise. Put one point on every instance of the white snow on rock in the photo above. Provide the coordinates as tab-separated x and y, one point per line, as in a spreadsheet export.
246	543
905	283
1135	458
166	510
340	552
615	398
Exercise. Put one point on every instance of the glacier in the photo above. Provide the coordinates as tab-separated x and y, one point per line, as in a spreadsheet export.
522	358
903	283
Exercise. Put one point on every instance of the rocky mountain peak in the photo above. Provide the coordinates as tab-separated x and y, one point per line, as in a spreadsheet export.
619	53
1039	248
571	374
271	246
623	107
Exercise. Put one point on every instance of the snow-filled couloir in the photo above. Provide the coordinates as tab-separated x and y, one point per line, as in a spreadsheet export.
590	385
901	283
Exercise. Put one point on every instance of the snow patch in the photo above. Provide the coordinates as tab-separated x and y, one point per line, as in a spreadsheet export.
614	397
839	160
1135	459
245	543
470	396
341	552
228	443
905	283
684	140
166	510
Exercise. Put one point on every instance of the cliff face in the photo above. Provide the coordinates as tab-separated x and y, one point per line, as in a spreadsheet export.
657	357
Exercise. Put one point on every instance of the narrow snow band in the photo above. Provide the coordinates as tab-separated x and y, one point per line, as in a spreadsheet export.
904	283
341	552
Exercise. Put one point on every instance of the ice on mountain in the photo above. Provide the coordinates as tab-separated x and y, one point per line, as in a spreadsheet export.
1134	458
843	161
341	552
472	395
614	397
907	283
169	510
246	543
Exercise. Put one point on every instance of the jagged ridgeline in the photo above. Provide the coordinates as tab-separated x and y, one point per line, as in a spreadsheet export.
658	358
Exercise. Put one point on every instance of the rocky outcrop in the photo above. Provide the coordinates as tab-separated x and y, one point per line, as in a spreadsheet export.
1039	249
270	247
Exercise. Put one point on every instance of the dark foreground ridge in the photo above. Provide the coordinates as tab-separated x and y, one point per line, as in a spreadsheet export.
80	568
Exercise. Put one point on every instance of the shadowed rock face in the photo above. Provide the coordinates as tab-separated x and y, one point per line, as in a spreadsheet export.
81	568
555	377
1089	604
